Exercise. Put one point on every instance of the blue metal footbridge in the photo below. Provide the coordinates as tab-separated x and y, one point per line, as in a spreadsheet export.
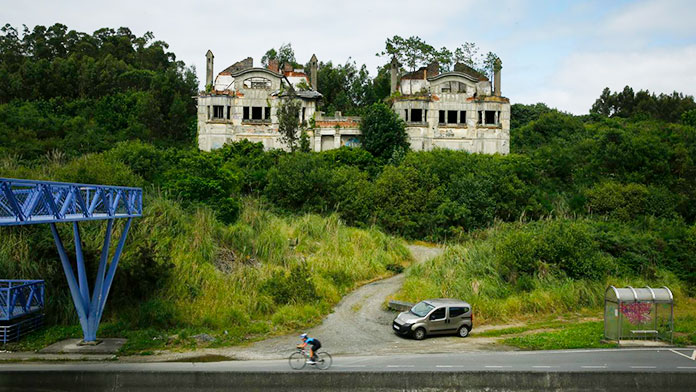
25	202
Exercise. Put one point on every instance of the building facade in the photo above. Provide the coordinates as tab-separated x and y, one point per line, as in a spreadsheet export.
457	110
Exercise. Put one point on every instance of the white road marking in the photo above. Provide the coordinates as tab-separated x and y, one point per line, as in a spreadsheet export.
444	366
686	367
643	367
594	367
692	357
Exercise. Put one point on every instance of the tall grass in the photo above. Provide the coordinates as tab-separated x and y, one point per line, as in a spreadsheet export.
182	268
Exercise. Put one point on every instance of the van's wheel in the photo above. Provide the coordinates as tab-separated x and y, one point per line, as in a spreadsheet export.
463	331
419	334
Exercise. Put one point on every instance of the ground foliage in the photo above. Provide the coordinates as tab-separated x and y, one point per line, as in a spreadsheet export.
582	201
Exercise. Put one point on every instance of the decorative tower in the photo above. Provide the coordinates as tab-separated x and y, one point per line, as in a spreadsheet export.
497	66
209	68
313	69
394	70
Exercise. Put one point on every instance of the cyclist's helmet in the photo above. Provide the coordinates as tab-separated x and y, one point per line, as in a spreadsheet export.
303	336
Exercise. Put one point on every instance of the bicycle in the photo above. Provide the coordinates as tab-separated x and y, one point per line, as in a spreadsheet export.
298	360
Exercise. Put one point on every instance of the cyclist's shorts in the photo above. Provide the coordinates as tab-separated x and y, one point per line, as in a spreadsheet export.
316	345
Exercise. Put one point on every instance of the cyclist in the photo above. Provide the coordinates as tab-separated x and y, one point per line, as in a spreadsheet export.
314	345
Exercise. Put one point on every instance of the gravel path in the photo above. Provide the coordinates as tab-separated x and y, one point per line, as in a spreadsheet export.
358	325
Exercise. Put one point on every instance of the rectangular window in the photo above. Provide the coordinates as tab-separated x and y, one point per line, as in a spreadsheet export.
425	116
208	107
438	314
406	115
457	311
246	113
303	114
229	109
218	111
256	113
462	116
267	113
441	120
416	115
452	117
490	117
480	119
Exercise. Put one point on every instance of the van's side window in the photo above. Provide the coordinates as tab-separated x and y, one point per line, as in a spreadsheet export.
457	311
438	314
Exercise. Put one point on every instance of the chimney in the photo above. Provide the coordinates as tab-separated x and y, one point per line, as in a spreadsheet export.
433	69
209	68
497	66
273	65
394	70
313	68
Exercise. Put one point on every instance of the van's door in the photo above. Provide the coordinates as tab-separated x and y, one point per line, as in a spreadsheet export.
437	321
458	316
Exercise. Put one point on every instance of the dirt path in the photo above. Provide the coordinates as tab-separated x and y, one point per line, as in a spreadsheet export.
358	325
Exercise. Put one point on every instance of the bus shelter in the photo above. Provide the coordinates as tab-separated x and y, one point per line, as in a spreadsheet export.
638	313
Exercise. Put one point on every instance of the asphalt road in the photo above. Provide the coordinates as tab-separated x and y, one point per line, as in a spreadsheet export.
649	360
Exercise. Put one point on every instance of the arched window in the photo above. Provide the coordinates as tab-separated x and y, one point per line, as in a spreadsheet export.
257	83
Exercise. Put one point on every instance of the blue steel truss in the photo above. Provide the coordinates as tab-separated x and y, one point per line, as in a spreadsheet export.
19	298
24	202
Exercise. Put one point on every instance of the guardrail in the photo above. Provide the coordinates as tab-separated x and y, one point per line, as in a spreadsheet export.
19	298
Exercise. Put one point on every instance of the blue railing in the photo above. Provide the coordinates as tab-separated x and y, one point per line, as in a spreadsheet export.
19	298
25	202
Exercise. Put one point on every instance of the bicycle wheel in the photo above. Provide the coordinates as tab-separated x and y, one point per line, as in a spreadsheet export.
297	360
324	360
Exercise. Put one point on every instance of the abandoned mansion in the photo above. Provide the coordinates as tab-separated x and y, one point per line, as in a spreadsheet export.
458	110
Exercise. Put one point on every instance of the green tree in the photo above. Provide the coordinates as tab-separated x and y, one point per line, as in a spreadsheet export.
383	132
289	121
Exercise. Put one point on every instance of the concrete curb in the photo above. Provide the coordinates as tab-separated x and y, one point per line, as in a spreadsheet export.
81	380
400	306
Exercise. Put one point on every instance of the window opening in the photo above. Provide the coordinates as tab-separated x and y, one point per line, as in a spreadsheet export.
218	111
416	115
267	113
490	117
441	120
452	117
257	83
462	116
256	113
246	113
406	114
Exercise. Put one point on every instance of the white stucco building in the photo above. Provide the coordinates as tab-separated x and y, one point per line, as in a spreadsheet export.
457	110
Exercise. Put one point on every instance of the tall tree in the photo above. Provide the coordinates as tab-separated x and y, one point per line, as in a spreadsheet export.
289	121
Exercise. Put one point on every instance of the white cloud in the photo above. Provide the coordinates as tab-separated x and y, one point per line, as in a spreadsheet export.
654	16
581	77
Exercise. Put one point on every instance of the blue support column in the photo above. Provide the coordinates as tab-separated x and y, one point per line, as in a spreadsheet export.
72	283
112	269
81	273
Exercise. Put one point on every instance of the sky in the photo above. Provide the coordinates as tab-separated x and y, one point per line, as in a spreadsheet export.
562	53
